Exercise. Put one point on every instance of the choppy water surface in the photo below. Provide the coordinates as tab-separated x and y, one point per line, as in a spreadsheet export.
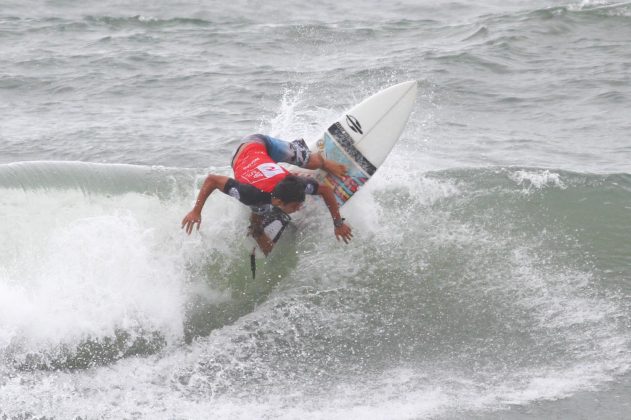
490	272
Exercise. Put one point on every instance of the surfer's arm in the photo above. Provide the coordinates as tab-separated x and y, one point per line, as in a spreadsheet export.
317	161
342	230
211	183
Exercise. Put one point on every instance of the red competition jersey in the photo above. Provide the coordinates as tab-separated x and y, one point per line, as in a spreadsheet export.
255	167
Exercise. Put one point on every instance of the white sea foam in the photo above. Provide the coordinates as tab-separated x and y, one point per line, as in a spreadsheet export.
537	180
98	265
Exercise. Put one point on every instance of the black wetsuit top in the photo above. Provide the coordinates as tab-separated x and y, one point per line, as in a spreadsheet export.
274	220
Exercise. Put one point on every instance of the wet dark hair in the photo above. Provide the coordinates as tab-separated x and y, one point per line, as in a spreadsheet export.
290	190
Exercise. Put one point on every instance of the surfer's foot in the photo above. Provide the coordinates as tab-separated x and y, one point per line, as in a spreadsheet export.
335	168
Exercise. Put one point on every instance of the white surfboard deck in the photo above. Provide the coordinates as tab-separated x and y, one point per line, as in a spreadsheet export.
363	137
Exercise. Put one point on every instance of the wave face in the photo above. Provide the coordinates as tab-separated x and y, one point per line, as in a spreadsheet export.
464	290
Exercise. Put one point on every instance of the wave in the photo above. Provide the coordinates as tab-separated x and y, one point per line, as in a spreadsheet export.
94	267
481	283
92	178
491	287
585	11
602	8
147	21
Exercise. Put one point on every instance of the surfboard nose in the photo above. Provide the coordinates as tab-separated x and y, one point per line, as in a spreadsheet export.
376	123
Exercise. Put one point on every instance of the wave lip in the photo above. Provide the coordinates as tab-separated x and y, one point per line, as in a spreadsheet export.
93	178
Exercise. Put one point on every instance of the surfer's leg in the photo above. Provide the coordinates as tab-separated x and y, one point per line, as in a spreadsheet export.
297	153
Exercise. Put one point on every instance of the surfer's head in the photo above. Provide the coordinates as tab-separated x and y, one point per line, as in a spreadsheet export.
289	194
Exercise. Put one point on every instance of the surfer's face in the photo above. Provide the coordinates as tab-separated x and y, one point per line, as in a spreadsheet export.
288	208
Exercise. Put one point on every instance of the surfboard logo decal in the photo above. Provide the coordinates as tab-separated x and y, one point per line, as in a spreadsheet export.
354	124
346	142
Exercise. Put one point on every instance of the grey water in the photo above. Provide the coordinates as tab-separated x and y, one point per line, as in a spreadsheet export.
490	273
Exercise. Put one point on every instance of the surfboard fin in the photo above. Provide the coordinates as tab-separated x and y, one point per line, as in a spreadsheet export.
253	263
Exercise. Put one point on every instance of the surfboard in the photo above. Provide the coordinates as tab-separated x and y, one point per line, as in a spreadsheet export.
363	137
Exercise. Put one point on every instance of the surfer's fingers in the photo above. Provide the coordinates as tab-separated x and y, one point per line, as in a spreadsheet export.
186	222
189	226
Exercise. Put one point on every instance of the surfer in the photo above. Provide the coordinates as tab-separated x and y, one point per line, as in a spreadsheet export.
271	191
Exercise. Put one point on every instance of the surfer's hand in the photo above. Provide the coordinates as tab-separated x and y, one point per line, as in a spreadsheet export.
344	232
190	220
334	168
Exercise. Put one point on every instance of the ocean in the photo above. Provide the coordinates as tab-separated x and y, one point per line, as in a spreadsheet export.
490	272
